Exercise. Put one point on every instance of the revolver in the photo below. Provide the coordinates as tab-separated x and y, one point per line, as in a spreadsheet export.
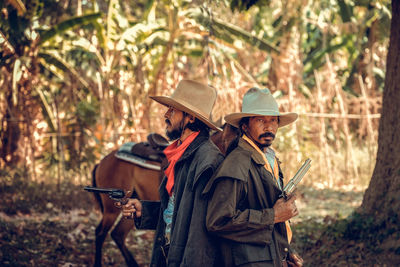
117	195
291	185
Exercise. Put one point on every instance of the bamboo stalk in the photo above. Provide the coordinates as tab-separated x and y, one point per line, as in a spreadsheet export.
371	132
368	115
349	144
102	106
322	135
291	104
60	151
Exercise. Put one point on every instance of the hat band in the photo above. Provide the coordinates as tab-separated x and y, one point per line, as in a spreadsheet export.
191	107
263	112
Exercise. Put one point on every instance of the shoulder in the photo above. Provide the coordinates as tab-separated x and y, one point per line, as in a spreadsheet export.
205	162
207	145
208	153
236	165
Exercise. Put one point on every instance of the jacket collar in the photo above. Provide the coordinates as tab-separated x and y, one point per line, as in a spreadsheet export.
255	155
198	141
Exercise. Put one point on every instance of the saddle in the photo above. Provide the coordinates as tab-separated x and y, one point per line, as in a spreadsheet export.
145	154
152	149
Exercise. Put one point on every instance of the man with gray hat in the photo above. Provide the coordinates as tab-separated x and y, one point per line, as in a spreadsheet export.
245	209
181	237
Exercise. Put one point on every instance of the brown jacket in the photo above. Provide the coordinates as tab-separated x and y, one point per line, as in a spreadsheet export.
240	210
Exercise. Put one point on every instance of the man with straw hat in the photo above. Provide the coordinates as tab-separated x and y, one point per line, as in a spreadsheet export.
179	217
245	209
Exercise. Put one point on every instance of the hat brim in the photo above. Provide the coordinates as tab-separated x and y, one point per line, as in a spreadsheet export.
185	107
284	118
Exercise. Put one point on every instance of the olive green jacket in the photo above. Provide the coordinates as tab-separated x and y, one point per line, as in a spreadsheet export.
240	210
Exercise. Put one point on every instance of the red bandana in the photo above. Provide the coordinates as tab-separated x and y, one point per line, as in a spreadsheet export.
173	153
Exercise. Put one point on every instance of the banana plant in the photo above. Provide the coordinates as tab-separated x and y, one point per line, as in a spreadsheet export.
26	57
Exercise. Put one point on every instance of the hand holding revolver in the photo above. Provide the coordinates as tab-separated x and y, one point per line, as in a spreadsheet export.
285	209
132	209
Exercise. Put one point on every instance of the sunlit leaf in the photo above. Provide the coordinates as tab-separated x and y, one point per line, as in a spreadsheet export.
63	65
17	73
47	109
235	31
67	25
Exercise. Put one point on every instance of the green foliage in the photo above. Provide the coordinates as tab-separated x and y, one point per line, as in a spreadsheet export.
67	25
335	241
90	75
346	11
359	227
363	229
242	5
87	113
307	233
229	32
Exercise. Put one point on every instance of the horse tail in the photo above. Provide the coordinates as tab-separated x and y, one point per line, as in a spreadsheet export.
96	195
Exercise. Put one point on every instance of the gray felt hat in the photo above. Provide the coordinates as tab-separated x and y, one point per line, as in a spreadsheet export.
260	102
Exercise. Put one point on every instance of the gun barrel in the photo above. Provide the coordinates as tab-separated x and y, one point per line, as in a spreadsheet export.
112	192
300	173
291	185
98	190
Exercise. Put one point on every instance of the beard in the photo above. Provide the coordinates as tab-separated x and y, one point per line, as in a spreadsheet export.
175	132
269	143
262	146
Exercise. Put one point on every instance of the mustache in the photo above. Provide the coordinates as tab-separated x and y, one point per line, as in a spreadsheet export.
167	121
267	134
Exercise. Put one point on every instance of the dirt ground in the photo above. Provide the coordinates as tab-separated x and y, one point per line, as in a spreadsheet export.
40	227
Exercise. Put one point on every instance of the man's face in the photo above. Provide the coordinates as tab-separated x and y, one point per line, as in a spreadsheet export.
175	123
262	130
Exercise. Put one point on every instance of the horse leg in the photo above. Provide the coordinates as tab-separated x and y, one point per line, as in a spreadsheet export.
101	233
119	235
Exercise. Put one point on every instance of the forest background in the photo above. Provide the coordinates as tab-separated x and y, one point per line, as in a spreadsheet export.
74	85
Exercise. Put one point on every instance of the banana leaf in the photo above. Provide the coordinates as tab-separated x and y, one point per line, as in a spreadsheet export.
315	60
345	10
66	25
61	64
221	28
47	110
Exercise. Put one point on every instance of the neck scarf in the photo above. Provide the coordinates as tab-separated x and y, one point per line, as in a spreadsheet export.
275	173
173	153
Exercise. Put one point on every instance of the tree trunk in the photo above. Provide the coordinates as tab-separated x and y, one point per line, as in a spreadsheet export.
382	198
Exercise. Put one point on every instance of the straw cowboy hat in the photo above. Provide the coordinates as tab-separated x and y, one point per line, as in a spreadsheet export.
194	98
260	102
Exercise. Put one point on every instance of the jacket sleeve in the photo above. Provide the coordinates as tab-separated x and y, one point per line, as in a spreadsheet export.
150	215
225	219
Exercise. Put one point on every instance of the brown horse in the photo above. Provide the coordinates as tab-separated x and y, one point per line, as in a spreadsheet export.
115	173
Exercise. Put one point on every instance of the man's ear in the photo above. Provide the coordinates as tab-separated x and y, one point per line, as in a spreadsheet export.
191	118
244	128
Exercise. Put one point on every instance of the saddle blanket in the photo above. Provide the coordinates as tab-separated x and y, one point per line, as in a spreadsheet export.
124	153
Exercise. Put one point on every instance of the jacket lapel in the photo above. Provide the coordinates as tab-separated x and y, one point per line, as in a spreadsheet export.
260	162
